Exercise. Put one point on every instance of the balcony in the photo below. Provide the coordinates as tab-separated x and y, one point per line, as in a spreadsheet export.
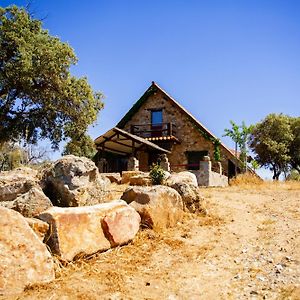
161	131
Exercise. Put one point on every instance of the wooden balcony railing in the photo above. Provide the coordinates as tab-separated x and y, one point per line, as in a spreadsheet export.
154	130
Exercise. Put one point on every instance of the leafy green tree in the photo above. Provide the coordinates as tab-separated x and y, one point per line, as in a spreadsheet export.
239	134
11	156
295	145
39	98
254	164
271	140
81	145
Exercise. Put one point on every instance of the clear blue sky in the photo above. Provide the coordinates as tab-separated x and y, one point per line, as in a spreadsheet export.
222	60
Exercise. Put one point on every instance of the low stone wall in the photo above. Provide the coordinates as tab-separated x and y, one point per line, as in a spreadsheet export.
206	177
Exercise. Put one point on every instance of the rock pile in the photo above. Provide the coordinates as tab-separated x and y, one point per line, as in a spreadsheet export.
68	207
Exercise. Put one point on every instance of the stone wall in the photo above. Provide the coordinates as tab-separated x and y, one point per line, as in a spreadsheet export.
206	177
190	138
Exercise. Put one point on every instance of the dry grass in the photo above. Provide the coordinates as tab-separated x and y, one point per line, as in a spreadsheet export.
250	181
246	180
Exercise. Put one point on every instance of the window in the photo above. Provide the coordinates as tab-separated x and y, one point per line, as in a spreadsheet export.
194	158
156	117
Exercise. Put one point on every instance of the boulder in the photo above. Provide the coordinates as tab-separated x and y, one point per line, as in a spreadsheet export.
39	227
113	177
17	182
182	177
126	175
159	206
24	259
77	231
29	204
141	180
75	181
192	200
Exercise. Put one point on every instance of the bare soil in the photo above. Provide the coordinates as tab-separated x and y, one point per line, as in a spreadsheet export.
247	247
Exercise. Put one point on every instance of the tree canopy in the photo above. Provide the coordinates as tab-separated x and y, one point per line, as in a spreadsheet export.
39	98
81	145
271	140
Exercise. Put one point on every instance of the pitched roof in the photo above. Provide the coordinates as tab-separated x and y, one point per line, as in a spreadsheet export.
112	142
154	87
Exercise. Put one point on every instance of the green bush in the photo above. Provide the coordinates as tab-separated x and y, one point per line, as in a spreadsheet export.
157	174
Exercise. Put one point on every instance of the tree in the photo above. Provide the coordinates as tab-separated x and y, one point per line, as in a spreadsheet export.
295	144
239	134
271	140
81	145
39	98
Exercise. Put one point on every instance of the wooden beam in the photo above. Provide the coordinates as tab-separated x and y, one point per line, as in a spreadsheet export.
112	150
119	143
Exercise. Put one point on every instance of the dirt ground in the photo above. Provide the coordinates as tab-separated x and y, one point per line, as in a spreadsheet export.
247	247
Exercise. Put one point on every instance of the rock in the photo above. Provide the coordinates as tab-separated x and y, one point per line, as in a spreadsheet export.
80	231
39	227
140	180
17	182
24	259
75	181
113	177
126	175
159	206
29	204
182	177
190	195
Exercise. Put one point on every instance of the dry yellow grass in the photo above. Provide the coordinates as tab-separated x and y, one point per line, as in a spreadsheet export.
250	181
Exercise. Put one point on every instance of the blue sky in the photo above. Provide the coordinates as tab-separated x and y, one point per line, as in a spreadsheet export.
221	60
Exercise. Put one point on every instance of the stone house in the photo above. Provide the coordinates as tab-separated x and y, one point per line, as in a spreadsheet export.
157	124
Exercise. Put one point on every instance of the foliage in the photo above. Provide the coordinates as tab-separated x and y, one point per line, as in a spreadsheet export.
254	164
157	174
293	175
13	156
81	145
39	98
295	144
271	140
239	134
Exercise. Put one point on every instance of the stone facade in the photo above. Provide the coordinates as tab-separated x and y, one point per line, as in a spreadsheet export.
190	139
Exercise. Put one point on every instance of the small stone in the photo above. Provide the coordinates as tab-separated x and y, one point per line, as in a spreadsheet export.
261	278
253	293
278	268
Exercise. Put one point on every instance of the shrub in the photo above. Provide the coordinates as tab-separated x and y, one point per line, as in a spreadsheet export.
157	174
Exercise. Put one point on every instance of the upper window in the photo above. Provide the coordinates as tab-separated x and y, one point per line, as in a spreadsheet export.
156	117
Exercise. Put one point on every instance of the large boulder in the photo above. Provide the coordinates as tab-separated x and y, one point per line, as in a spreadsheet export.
76	231
182	177
29	204
17	182
159	206
75	181
24	259
192	200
